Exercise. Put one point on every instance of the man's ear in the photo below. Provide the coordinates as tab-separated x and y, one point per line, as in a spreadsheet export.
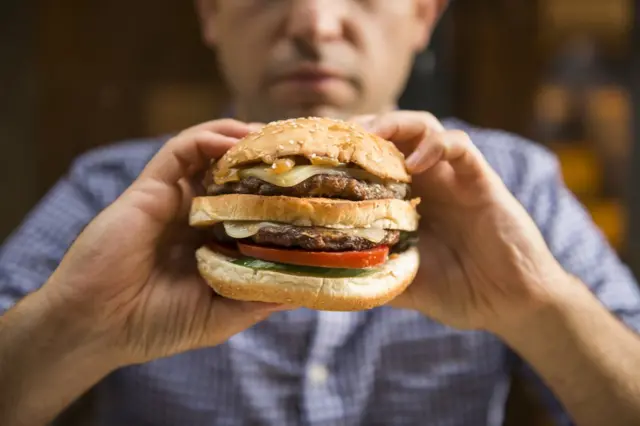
427	14
207	11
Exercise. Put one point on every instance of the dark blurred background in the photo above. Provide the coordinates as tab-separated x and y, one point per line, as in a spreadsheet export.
75	75
80	74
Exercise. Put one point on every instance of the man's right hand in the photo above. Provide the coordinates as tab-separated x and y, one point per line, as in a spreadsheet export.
131	275
127	291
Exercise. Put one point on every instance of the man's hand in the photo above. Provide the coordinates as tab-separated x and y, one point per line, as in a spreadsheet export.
483	260
131	275
484	265
127	291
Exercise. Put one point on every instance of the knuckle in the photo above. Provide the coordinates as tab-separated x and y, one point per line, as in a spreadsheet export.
362	118
428	118
224	122
211	126
461	136
202	135
425	115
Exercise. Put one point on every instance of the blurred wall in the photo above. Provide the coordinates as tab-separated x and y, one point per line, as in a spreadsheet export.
77	74
82	74
496	62
17	111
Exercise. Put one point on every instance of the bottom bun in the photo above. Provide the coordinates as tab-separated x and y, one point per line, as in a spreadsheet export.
327	294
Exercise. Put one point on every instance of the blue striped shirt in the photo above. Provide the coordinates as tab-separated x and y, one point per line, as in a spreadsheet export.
303	367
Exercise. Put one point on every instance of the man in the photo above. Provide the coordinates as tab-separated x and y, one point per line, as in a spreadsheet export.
123	314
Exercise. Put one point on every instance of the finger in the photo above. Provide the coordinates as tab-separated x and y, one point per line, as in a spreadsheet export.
454	147
402	124
255	127
363	120
227	126
192	150
186	154
403	301
188	190
406	129
426	142
229	317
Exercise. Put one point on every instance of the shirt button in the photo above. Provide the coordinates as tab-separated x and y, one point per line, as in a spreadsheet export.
318	374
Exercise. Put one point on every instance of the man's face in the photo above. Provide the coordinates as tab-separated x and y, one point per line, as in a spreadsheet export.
286	58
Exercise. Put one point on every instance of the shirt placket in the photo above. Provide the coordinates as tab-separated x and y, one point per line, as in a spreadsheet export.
321	403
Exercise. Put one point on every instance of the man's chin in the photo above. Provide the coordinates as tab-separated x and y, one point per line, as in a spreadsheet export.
281	112
277	111
330	111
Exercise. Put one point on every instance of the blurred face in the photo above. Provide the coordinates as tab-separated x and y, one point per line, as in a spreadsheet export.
335	58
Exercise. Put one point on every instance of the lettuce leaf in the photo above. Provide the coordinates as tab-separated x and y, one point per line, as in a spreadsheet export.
303	270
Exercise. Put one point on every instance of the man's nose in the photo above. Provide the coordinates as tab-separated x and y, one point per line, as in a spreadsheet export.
317	20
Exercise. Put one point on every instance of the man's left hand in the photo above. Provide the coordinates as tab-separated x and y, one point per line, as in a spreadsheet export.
483	261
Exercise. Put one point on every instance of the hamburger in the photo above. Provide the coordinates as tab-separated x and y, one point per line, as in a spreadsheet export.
311	212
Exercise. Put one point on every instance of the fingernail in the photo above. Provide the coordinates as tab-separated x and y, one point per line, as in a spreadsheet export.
413	160
369	126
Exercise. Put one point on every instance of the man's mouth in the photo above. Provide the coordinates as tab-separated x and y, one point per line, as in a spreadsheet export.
310	76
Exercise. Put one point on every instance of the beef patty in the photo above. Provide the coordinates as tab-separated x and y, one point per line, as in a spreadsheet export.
322	186
309	238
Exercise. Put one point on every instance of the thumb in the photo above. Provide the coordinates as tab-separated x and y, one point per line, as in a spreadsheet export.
228	317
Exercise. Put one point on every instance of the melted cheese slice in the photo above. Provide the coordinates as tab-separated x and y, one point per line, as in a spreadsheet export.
240	230
301	173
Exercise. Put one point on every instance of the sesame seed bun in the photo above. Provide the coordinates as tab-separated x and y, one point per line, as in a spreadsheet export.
327	294
315	137
334	143
330	213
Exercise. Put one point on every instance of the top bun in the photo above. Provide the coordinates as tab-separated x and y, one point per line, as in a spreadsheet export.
315	137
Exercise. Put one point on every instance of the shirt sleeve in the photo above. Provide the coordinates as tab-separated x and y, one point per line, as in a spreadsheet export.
584	252
35	249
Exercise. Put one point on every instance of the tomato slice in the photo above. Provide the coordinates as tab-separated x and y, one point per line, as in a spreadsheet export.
225	249
344	259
